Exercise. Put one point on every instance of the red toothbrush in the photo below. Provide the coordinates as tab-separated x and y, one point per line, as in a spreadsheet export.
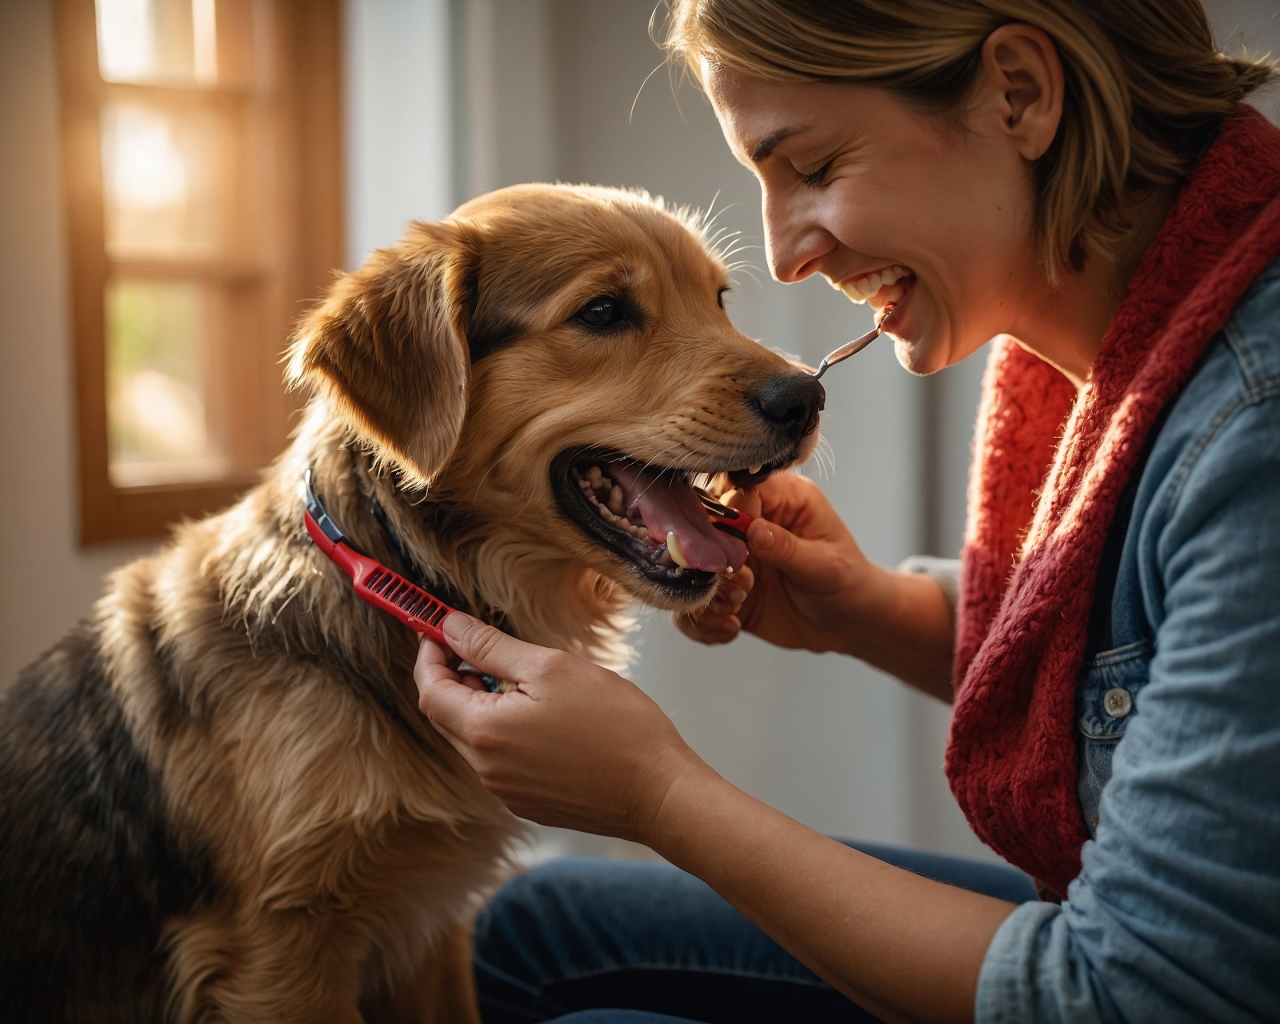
730	520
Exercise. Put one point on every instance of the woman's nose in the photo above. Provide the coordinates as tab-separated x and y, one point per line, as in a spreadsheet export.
794	243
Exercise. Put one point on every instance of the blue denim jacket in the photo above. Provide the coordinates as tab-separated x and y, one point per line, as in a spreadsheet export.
1175	915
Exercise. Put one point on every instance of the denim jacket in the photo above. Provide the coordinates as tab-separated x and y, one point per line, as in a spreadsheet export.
1175	916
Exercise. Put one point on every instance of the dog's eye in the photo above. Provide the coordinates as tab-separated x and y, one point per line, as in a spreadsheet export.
720	296
602	311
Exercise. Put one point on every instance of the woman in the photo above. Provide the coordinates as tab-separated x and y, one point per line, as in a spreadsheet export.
1076	175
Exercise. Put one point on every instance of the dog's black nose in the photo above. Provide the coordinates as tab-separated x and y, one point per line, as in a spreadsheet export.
791	402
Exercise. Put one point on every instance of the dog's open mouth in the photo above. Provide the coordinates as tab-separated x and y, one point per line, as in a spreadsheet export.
653	517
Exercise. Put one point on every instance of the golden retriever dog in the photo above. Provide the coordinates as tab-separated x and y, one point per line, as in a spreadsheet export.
218	799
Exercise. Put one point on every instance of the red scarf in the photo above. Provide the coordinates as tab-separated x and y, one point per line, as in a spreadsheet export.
1030	563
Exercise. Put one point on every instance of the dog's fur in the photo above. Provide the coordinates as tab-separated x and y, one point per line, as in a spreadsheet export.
218	798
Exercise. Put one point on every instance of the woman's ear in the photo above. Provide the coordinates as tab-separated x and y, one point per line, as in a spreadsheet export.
388	348
1022	67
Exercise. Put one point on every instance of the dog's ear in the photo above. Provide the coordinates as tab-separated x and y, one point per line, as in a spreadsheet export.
388	348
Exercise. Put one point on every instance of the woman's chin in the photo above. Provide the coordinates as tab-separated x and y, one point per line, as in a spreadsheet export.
919	344
918	356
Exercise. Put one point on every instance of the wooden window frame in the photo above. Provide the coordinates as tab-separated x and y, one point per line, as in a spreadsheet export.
309	185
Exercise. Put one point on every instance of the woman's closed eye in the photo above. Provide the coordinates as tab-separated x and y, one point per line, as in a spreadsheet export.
815	178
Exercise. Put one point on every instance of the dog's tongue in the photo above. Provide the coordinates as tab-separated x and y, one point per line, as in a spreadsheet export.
670	506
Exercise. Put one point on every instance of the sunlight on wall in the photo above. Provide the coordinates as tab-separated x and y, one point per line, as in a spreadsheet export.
158	41
182	155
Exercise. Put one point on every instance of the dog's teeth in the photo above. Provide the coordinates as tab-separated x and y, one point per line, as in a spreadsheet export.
679	570
642	531
673	546
615	500
665	558
595	477
756	469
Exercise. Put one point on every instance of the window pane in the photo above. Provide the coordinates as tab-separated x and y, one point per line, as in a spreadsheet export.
158	41
158	369
161	180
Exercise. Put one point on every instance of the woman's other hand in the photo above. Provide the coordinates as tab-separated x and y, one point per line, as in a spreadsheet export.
808	585
801	580
572	745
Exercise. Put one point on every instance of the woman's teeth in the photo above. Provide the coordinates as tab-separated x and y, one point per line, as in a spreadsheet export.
860	289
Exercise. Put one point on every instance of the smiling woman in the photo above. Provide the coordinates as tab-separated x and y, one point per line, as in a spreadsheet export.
1079	180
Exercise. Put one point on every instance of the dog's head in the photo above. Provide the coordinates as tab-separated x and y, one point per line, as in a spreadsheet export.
555	365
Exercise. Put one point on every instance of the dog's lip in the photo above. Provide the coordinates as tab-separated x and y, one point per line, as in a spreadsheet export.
744	479
637	552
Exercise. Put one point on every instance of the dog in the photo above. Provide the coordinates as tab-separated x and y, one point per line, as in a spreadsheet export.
219	801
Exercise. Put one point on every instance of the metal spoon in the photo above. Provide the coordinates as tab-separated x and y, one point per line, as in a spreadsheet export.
854	347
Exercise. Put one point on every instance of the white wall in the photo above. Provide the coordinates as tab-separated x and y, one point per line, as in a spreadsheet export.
398	91
1252	26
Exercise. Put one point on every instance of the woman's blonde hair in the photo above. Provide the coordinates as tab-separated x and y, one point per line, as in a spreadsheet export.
1145	85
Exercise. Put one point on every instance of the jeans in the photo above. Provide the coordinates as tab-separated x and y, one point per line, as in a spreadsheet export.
637	943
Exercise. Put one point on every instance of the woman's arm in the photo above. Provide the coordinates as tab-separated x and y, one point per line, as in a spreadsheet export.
902	946
807	585
578	746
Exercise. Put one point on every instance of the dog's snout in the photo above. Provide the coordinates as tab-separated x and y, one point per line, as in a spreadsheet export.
791	402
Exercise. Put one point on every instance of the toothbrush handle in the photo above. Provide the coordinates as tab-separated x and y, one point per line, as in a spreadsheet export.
729	520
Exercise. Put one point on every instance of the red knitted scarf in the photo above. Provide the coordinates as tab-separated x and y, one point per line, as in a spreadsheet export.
1040	507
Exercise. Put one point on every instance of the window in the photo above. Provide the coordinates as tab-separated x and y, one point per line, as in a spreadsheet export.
201	154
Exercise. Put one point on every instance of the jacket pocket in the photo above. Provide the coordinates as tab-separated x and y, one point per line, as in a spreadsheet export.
1106	703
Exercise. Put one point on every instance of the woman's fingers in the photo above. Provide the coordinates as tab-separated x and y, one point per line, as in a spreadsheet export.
433	655
807	563
490	649
718	622
529	746
709	629
732	593
456	705
443	697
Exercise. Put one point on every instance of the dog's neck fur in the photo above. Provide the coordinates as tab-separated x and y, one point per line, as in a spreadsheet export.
532	590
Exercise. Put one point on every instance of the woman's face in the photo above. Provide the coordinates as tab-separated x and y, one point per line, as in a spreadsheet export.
857	183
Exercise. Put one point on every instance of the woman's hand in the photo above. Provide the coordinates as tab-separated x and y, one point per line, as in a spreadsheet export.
803	578
573	745
807	585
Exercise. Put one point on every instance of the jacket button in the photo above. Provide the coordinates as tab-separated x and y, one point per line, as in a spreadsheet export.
1117	702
